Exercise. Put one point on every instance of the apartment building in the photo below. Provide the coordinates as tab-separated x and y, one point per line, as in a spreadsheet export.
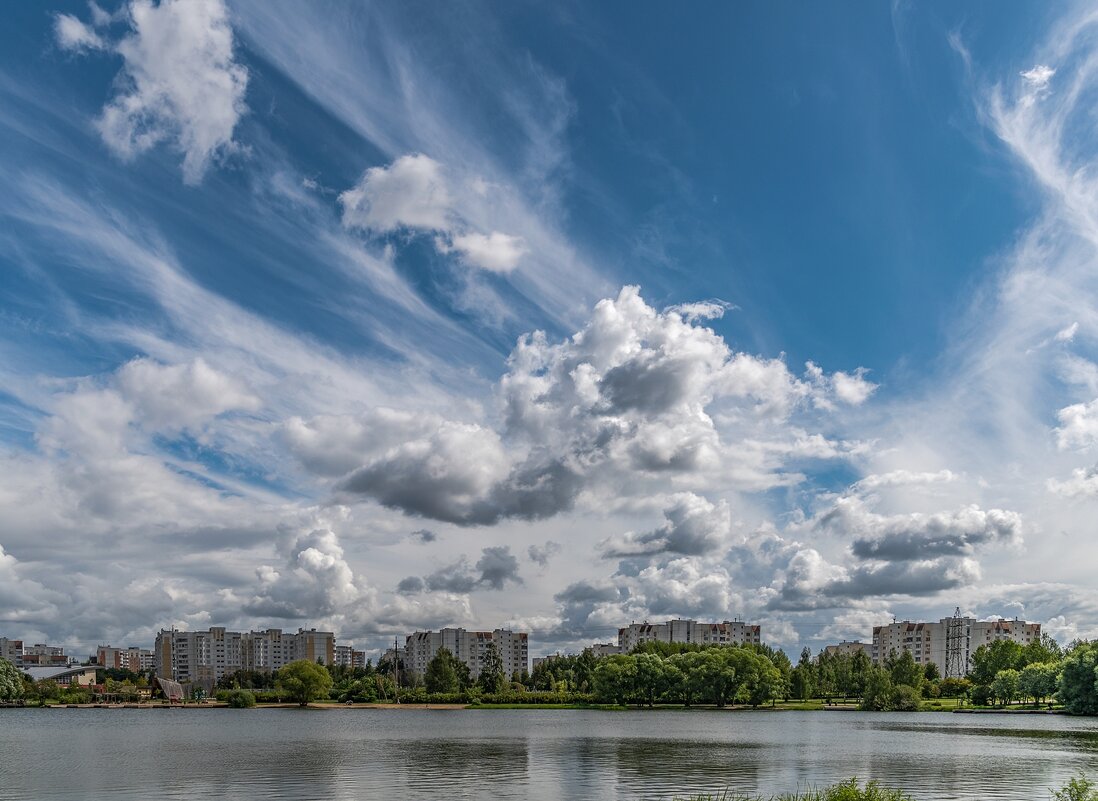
730	632
206	656
929	642
847	648
347	656
12	650
470	647
43	655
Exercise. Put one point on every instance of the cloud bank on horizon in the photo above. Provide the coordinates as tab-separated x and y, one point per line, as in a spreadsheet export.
381	318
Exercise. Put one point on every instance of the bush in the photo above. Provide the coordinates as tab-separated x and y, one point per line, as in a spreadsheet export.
240	699
1078	789
904	699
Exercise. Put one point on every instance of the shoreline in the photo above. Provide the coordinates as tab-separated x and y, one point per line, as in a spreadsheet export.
535	706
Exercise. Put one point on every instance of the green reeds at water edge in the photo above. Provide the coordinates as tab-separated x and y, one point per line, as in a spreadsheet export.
850	790
1078	789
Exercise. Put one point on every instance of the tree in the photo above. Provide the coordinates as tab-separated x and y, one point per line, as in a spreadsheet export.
241	699
878	690
615	678
304	681
441	674
11	682
802	680
989	659
1077	688
492	678
1038	680
954	688
931	672
905	670
1004	687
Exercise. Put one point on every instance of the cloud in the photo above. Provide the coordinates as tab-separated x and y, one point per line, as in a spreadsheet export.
496	252
1078	426
629	397
496	568
409	193
541	554
1082	484
424	535
72	34
413	193
179	81
693	526
1038	76
181	396
903	478
314	581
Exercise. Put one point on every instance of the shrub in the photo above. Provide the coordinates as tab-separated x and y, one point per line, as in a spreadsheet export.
241	699
1078	789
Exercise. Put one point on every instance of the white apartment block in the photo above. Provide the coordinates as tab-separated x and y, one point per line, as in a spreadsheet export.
469	647
848	648
206	656
12	650
927	642
347	656
730	632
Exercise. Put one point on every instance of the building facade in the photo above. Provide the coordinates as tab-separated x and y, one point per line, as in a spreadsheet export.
347	656
730	632
950	642
847	648
12	650
206	656
42	655
470	647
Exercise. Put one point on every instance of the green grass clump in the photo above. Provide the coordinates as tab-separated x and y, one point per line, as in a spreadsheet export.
846	791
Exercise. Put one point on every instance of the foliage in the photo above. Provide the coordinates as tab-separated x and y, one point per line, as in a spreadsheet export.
988	660
1077	789
903	669
846	791
1038	680
441	675
1004	687
878	690
492	678
904	698
304	681
1078	686
11	682
240	699
954	687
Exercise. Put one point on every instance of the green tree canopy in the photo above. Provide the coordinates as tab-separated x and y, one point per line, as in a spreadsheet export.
492	678
989	659
304	681
441	675
1004	687
11	681
1078	686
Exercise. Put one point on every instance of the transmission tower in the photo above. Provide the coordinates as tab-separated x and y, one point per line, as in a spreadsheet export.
956	661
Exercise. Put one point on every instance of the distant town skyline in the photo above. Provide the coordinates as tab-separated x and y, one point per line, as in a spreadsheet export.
380	318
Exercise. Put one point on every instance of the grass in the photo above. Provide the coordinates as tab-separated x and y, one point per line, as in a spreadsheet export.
611	707
850	790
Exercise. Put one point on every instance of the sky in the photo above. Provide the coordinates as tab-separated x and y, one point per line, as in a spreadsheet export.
388	317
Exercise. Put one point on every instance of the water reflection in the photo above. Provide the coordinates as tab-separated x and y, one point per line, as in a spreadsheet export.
550	755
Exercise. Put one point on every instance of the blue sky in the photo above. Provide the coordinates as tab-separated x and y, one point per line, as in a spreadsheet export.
264	266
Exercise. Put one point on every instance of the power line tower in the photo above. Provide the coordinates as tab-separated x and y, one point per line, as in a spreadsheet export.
956	661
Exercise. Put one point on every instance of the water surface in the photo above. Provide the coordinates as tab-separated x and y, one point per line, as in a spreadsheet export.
547	755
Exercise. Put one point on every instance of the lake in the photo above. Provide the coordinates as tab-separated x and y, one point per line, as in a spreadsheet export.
414	755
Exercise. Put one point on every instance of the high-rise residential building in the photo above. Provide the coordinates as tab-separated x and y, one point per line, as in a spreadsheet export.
206	656
42	655
113	658
347	656
12	650
469	647
956	637
847	648
730	632
138	659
